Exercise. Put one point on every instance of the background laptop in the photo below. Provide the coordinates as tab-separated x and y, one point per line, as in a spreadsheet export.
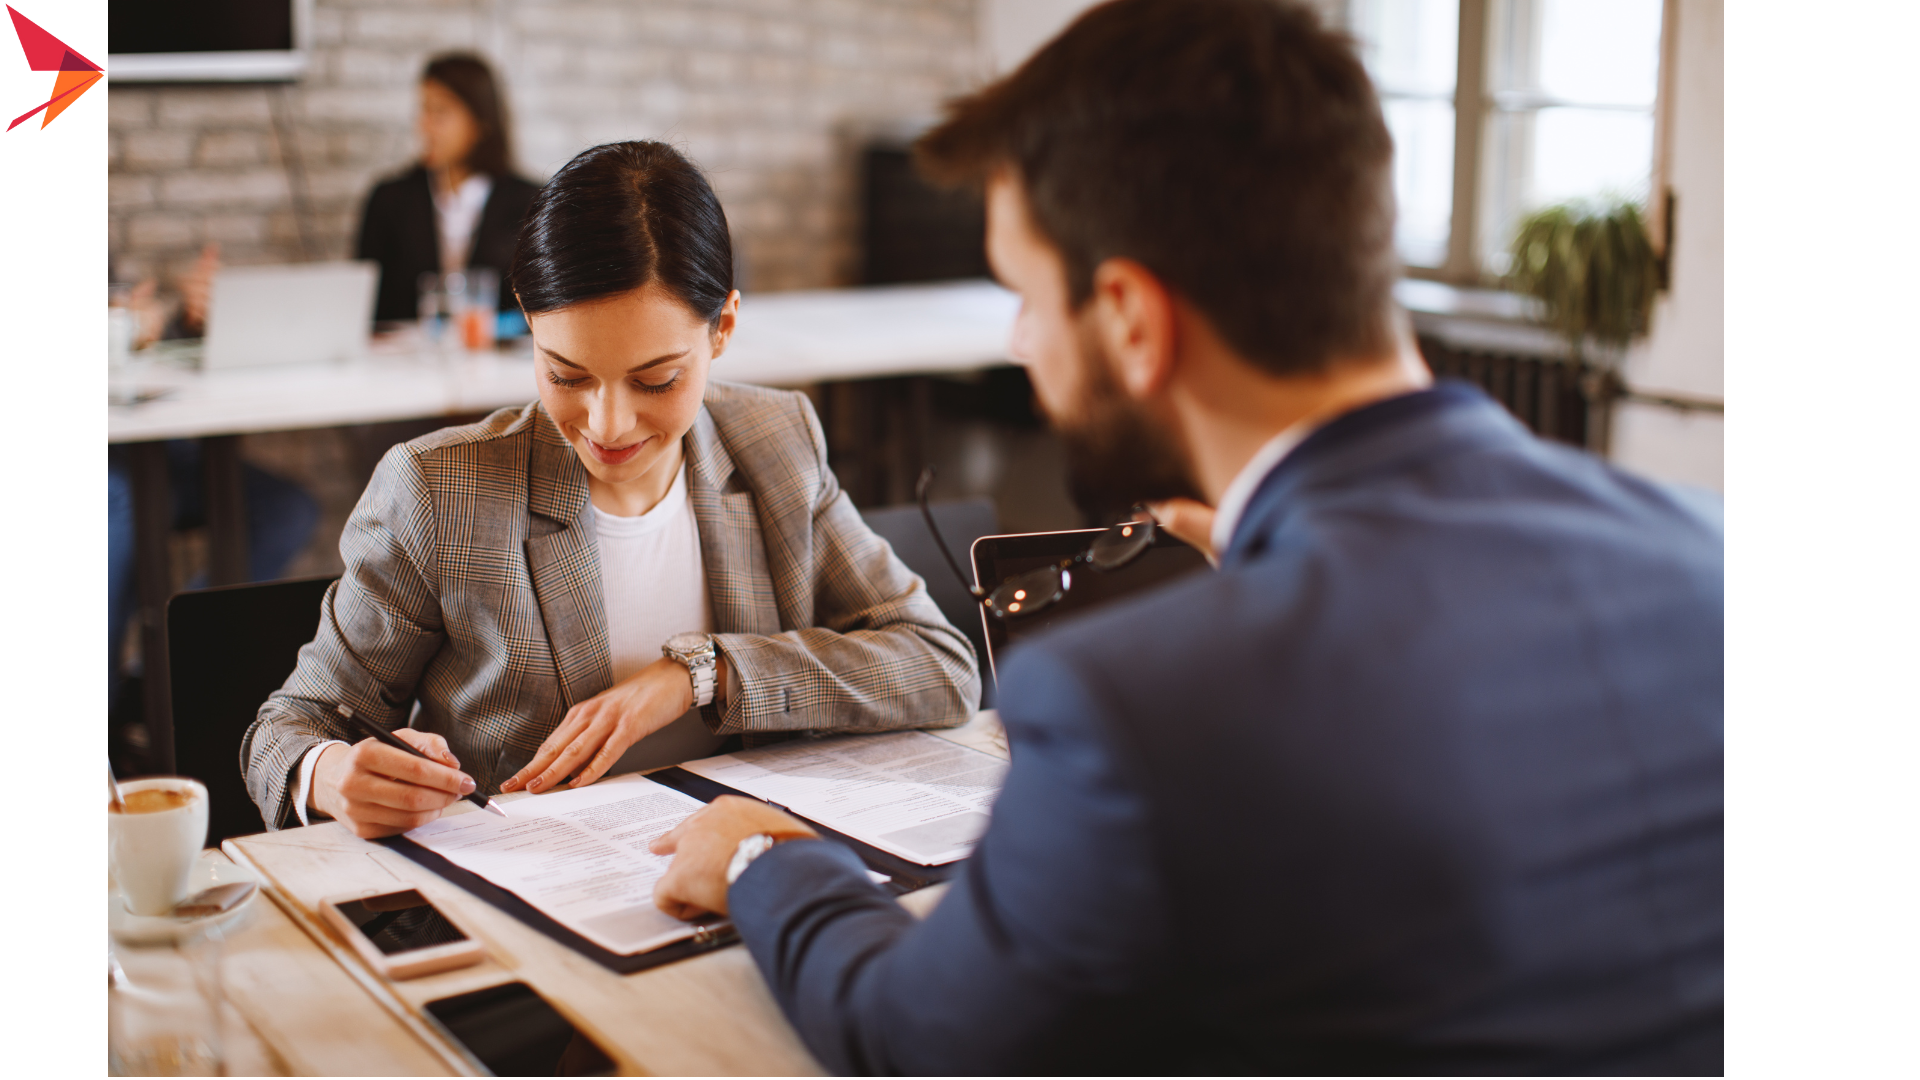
307	314
997	558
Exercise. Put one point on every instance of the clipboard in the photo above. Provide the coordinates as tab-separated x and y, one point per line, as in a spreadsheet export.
903	877
708	937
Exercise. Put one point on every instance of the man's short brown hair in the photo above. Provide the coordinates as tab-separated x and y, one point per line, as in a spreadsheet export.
1235	148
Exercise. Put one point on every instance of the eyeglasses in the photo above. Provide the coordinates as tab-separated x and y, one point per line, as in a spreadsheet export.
1034	590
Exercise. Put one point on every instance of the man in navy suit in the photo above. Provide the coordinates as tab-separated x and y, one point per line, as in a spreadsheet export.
1427	778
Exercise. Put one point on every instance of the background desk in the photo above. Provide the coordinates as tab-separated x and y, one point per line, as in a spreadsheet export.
784	339
708	1015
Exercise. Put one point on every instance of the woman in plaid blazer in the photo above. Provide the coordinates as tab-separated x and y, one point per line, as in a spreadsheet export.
473	600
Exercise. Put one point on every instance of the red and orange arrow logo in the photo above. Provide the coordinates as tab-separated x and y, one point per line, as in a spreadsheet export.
48	53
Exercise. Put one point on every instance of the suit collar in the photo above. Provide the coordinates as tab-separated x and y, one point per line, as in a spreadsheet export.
1423	425
556	481
707	455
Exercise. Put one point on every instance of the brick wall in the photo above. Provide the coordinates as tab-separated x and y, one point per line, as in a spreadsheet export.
769	96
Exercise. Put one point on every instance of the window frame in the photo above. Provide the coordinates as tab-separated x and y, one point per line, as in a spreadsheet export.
1474	103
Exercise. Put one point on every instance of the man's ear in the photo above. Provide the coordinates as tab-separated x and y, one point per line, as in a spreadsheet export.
1133	315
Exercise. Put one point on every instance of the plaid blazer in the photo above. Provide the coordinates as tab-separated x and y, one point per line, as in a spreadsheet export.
472	587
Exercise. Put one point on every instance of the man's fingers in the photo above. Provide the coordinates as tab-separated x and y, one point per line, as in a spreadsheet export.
1189	520
668	842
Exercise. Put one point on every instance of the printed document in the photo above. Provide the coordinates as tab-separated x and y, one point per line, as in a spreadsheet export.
917	796
580	857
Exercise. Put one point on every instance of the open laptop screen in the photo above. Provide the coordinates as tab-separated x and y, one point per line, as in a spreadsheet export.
997	558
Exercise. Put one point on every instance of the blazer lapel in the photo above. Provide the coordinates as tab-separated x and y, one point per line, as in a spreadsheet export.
564	564
739	584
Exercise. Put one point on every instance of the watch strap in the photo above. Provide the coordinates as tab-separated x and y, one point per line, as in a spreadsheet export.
748	850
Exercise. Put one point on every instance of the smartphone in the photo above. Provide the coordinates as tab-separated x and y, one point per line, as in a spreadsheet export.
511	1031
401	934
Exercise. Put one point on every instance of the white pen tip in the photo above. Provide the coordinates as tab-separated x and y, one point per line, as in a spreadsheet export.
496	808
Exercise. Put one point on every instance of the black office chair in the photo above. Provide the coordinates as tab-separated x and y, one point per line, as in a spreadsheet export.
961	522
228	648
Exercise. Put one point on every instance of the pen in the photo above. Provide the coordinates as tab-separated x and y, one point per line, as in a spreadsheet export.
373	731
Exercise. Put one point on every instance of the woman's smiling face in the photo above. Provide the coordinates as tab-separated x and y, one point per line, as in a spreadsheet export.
623	378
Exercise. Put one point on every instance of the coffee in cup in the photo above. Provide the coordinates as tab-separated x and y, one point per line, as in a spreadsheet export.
154	837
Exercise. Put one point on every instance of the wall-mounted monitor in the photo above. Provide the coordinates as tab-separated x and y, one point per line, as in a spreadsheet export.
208	40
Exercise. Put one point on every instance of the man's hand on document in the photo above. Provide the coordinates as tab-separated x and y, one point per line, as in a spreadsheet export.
703	845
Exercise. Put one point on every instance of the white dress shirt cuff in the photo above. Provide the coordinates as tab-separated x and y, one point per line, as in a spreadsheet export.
306	778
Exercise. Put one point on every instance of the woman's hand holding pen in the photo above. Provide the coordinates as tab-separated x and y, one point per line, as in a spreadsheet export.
376	790
598	730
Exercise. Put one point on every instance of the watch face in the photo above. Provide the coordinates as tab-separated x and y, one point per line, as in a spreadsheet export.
690	644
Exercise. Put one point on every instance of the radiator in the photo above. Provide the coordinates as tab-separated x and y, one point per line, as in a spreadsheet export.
1557	398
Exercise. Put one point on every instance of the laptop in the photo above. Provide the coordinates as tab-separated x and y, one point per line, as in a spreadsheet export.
997	558
260	316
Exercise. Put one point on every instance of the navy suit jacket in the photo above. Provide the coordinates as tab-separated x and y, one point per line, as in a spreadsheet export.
1427	778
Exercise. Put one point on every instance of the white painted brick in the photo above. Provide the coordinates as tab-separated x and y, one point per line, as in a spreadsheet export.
376	68
235	230
257	187
226	148
129	108
152	151
225	106
335	104
129	192
161	232
427	29
757	91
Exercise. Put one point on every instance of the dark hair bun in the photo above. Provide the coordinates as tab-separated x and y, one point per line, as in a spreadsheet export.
619	216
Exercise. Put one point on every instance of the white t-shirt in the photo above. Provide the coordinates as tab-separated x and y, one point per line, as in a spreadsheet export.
457	215
654	580
655	586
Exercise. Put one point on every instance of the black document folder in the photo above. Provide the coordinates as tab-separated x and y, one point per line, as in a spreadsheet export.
904	877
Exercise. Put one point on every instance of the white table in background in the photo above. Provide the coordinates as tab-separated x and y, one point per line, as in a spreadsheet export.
784	339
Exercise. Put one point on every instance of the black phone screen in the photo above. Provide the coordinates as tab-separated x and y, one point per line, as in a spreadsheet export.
399	922
514	1032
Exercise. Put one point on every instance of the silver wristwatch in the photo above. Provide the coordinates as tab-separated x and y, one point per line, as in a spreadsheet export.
750	849
696	651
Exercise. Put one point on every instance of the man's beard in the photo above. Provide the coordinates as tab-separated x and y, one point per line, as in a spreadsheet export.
1117	455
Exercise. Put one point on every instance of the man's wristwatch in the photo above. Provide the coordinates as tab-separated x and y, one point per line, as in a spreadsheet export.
696	651
750	849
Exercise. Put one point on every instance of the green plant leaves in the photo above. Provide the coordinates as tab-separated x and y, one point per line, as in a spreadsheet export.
1592	266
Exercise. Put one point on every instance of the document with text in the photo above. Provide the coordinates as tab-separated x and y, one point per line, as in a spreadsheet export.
917	796
580	857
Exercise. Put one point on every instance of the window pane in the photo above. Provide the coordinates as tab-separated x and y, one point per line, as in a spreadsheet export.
1410	46
1600	52
1584	152
1411	49
1422	177
1574	84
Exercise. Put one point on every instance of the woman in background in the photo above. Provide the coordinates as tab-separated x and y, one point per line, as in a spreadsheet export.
460	207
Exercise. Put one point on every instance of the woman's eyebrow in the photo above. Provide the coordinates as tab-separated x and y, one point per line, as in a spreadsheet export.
655	362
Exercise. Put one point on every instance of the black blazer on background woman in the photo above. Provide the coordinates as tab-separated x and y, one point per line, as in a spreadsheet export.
399	231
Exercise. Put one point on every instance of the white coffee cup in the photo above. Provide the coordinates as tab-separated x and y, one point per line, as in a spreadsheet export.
153	853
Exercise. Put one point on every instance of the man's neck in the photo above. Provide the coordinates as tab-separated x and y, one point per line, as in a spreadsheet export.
1228	409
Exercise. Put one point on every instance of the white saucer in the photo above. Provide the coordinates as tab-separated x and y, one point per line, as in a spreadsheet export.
211	869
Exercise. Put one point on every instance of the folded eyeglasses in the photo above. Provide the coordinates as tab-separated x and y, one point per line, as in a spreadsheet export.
1035	590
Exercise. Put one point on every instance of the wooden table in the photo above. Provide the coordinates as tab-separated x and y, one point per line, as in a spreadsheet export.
312	1007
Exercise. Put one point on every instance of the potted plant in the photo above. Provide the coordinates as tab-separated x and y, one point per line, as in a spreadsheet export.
1593	269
